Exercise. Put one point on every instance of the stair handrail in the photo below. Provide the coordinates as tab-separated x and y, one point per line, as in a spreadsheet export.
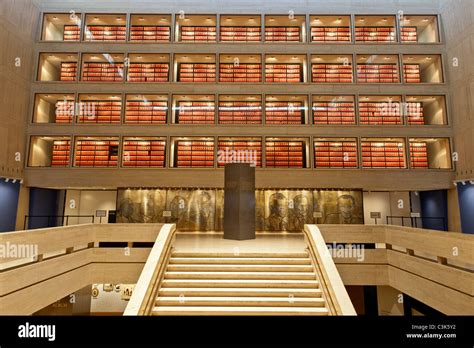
332	286
145	291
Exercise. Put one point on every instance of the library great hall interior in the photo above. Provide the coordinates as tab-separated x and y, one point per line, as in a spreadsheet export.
256	158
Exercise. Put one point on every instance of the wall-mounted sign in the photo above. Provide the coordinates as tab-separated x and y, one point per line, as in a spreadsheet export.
317	214
101	213
375	215
415	215
167	213
108	287
126	291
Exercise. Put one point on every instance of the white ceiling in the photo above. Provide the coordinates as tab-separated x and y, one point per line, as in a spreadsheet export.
244	6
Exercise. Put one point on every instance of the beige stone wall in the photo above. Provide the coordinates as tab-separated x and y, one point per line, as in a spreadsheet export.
18	28
458	23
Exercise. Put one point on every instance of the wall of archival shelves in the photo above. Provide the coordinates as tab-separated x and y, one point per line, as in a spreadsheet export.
249	150
102	72
334	113
284	112
144	153
332	73
97	111
146	112
195	112
383	154
96	153
418	155
241	34
240	112
105	33
330	34
150	33
194	154
61	153
197	72
335	154
240	73
283	73
285	154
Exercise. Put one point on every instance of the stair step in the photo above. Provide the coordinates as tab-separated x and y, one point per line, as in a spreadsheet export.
185	301
240	260
166	310
241	255
241	275
223	292
239	268
239	283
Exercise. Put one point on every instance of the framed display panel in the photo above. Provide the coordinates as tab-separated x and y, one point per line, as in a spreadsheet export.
240	109
333	110
146	109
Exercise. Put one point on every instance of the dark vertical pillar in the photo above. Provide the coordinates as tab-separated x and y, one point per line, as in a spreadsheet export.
9	195
239	202
466	206
434	209
371	306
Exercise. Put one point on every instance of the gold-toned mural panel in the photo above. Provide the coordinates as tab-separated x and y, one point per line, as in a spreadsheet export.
203	209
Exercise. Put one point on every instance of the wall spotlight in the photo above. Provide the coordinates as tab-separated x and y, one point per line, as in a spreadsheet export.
7	180
21	182
14	181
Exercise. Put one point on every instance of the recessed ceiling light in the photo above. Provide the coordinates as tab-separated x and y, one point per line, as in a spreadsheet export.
55	18
141	19
96	18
